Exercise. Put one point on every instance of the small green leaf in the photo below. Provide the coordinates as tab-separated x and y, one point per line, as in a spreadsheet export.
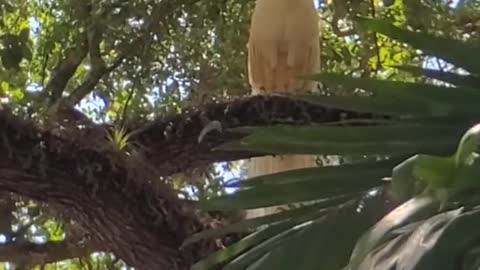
5	86
17	95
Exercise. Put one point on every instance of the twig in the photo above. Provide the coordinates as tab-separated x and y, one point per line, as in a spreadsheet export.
66	68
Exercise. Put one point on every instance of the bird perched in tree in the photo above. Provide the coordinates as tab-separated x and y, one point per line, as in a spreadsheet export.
284	44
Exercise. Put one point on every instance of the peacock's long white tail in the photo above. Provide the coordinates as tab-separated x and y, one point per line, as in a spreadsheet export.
284	44
273	164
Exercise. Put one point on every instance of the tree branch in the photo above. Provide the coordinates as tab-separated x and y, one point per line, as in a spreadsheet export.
99	69
173	141
118	198
66	68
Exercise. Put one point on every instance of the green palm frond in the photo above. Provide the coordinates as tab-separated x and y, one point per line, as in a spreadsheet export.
344	226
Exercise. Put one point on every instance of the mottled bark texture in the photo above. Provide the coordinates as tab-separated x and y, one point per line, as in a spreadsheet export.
120	199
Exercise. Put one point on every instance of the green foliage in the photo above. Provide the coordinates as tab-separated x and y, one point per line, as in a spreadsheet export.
434	243
185	53
410	212
433	222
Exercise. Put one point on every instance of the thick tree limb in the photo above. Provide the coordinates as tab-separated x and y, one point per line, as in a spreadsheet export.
117	198
140	223
66	68
173	142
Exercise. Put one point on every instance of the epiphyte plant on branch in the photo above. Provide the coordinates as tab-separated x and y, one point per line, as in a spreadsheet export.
410	204
119	138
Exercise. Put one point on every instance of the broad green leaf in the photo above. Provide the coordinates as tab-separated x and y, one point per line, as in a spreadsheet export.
443	240
456	52
372	260
397	139
391	253
269	236
222	256
374	104
415	209
264	249
471	259
250	224
437	172
439	242
324	243
446	175
461	121
403	180
362	170
466	177
329	193
436	100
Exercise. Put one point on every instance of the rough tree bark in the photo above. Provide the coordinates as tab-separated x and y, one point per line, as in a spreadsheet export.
117	199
